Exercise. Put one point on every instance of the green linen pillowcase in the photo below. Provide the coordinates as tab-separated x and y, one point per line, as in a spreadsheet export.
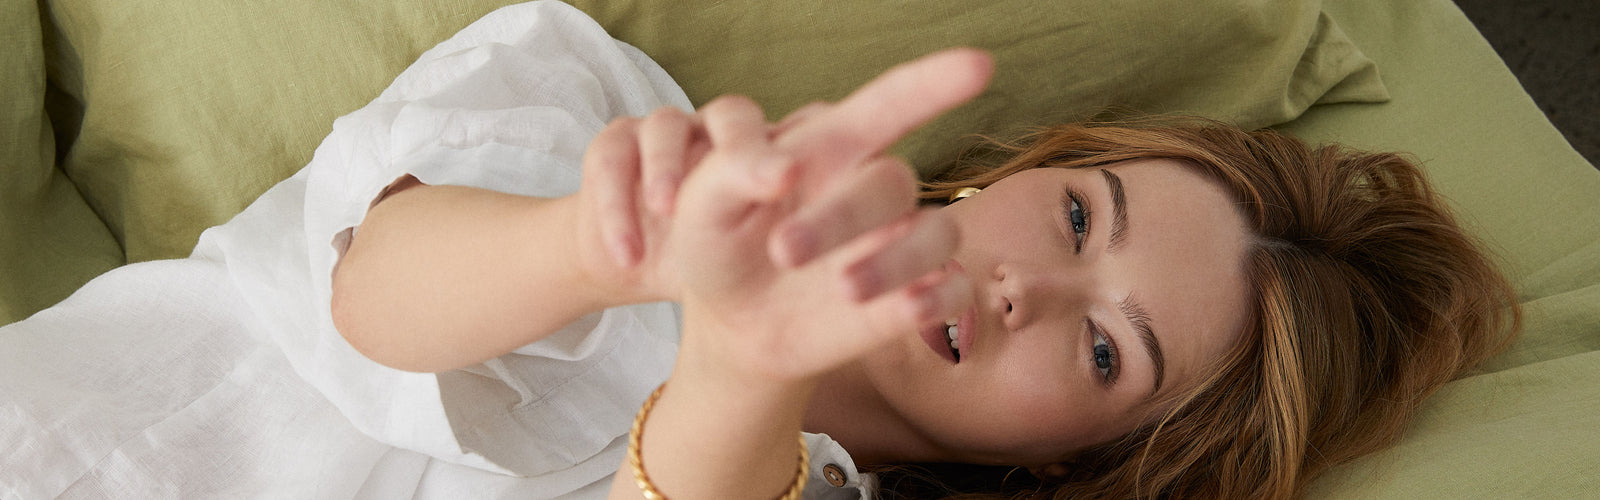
191	108
1250	63
50	242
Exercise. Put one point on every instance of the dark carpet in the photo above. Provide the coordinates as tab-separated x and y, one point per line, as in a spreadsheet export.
1553	46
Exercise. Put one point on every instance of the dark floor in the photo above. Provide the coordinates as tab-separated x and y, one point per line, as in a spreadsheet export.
1553	46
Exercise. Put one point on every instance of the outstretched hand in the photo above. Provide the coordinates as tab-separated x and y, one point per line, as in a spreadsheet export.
799	248
631	173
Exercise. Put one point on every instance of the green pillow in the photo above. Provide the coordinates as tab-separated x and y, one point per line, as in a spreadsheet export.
191	108
1250	63
50	241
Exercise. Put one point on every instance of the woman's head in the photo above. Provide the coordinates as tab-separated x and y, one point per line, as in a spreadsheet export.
1100	292
1305	300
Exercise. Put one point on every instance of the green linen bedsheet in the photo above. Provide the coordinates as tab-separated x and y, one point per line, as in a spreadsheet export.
1528	425
129	127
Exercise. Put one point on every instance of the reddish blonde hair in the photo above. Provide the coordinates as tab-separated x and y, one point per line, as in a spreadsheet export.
1368	296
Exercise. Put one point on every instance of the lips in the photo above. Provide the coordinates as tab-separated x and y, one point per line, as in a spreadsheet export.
937	338
936	335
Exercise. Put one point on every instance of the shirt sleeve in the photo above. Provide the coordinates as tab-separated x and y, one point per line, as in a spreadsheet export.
508	104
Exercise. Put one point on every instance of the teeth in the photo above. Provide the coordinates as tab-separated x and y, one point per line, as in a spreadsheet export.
953	333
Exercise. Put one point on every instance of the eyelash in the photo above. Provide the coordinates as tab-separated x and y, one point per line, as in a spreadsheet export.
1113	366
1078	234
1103	344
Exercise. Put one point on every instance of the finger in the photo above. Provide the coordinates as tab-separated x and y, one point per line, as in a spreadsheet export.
854	204
932	298
880	112
699	147
737	129
611	164
807	112
734	122
897	254
728	191
663	143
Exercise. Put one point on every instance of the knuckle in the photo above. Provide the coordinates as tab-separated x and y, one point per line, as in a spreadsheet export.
730	104
618	132
665	118
665	113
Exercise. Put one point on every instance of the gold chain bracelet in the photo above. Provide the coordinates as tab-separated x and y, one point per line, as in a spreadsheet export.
636	460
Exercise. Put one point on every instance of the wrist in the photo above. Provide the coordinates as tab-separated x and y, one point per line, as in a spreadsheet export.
591	275
718	356
701	440
708	483
736	391
594	273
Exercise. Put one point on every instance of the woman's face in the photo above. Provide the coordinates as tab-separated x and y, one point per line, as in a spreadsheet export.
1087	310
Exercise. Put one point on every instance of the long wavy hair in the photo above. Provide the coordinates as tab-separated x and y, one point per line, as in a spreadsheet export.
1367	297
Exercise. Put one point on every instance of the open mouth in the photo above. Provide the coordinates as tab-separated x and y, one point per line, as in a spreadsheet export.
952	333
946	339
939	337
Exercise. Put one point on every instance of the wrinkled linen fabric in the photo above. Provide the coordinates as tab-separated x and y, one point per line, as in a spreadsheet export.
222	376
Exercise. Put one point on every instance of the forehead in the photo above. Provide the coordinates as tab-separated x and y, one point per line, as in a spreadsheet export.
1183	259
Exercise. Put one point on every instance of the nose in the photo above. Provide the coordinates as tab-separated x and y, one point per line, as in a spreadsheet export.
1022	295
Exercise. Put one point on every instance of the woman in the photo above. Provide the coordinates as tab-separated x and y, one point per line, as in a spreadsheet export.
1301	302
1186	310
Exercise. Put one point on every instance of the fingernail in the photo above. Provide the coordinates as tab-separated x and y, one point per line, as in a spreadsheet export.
864	281
799	243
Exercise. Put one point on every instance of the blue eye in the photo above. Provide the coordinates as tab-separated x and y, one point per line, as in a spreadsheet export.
1076	216
1104	356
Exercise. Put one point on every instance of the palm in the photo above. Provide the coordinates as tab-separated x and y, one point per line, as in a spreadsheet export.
790	313
783	323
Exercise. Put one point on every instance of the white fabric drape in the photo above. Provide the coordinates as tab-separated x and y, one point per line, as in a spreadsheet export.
221	375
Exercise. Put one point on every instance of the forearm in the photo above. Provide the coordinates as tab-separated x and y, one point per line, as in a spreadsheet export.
440	277
715	434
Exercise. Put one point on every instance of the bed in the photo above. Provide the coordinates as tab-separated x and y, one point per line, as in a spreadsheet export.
131	127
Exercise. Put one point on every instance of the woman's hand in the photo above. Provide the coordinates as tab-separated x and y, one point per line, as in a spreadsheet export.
795	249
631	174
801	252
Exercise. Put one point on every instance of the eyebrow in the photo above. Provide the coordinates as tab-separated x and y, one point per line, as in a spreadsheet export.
1140	319
1131	309
1119	211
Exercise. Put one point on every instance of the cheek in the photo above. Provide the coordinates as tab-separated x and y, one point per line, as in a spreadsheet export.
1036	407
991	219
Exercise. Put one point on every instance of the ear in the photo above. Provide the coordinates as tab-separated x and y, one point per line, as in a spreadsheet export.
1050	472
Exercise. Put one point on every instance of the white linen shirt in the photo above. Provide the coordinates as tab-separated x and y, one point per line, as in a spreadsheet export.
222	376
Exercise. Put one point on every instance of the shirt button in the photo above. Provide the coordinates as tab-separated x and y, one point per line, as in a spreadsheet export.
833	474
